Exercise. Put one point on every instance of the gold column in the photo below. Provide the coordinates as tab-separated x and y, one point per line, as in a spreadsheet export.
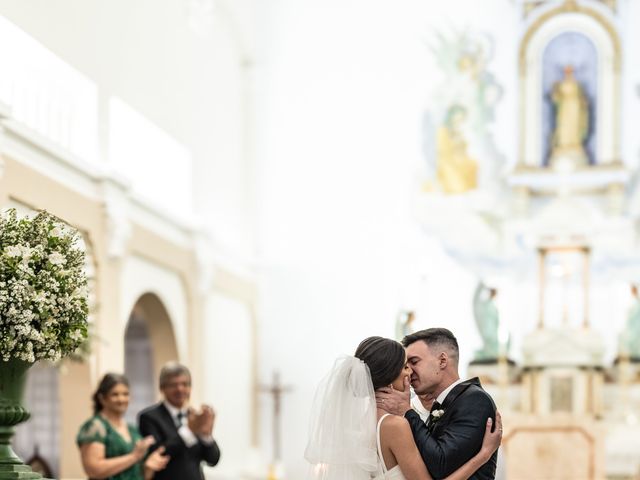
534	388
541	272
586	279
624	382
590	406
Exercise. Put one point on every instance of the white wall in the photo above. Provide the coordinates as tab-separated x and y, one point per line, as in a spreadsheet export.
188	85
228	383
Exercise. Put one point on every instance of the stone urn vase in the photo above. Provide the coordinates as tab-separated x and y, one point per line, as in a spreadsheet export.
13	376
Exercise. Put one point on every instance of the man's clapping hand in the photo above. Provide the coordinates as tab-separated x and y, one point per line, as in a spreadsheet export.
209	417
201	422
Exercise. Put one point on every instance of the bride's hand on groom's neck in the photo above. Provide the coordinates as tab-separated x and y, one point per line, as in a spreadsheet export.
393	401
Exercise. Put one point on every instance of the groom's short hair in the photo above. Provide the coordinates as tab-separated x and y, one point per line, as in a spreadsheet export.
435	338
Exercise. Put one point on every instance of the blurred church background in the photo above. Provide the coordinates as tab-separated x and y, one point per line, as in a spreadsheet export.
261	184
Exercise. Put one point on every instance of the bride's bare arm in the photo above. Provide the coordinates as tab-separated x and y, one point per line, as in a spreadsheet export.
397	432
490	444
406	453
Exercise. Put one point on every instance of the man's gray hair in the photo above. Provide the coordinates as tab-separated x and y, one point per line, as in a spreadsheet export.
172	369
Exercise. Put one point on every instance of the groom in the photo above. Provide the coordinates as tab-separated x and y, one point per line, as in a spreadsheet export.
453	433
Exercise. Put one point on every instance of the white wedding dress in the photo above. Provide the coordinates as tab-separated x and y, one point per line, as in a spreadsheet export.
395	473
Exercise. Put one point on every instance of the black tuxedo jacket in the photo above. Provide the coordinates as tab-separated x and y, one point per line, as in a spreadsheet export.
185	462
457	435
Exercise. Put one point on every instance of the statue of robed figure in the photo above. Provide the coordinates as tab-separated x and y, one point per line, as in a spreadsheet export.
572	123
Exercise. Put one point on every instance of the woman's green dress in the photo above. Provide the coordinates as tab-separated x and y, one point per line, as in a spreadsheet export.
97	429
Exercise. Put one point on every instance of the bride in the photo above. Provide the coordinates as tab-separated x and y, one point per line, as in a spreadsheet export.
351	439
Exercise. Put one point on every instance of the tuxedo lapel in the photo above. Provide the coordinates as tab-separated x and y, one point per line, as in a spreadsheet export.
166	416
458	390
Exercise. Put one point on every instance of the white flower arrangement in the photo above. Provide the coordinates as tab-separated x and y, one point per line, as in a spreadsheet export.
43	288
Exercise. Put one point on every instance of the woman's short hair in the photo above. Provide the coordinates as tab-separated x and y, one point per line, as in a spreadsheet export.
384	357
109	381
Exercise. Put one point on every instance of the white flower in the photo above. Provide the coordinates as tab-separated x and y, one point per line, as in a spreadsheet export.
81	292
13	251
40	297
437	413
56	232
57	258
76	335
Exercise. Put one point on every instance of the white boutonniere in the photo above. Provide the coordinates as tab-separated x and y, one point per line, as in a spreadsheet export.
436	414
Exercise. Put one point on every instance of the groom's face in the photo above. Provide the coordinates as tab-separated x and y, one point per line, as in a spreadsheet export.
425	365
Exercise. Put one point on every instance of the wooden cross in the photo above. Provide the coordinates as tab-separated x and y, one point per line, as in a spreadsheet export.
276	390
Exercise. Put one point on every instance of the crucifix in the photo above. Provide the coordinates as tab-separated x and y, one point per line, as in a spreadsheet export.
276	390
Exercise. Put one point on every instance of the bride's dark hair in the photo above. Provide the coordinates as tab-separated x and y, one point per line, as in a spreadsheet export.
384	357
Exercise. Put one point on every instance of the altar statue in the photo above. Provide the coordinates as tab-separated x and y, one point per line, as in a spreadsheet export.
630	336
486	315
572	123
457	172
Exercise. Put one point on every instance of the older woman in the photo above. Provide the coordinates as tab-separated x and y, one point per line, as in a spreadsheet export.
110	448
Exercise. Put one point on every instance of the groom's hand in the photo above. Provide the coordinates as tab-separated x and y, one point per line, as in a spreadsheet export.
393	401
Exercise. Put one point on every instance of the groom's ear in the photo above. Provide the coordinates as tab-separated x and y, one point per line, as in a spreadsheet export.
444	360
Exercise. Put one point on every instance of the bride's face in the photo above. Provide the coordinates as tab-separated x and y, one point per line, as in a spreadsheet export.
398	383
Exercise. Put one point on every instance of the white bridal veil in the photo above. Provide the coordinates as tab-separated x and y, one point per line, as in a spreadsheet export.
342	433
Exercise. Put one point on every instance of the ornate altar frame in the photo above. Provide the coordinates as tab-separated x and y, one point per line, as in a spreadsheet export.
542	29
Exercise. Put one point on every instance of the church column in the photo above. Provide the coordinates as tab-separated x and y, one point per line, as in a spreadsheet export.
117	234
586	280
542	281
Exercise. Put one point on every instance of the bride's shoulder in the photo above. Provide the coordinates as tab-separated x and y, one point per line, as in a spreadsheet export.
395	433
395	424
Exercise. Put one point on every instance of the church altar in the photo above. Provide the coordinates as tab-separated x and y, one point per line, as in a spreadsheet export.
552	238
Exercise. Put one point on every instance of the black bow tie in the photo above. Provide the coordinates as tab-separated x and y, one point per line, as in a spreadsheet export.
436	406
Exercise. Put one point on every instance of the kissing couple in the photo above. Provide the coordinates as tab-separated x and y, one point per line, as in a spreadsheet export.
363	426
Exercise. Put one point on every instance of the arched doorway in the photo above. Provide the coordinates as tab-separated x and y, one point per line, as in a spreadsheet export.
138	365
149	343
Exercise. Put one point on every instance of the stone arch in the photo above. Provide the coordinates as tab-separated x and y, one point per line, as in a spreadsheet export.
150	342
